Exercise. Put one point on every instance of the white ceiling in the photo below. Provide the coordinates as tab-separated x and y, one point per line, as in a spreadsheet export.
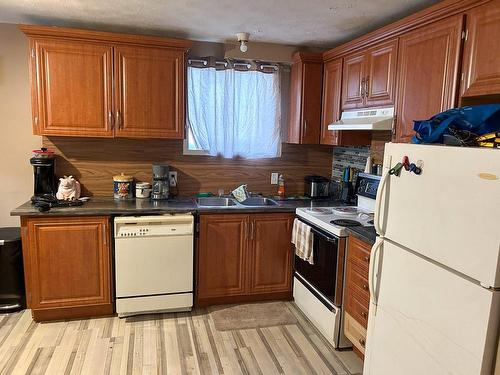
322	23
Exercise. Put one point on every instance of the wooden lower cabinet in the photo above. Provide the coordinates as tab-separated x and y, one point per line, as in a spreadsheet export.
222	255
67	265
270	253
357	294
244	257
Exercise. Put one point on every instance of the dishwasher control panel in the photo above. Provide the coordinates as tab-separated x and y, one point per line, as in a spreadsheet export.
147	226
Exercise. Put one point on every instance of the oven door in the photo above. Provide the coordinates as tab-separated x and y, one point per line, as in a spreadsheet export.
324	278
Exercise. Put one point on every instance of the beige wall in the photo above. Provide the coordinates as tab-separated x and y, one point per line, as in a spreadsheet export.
16	138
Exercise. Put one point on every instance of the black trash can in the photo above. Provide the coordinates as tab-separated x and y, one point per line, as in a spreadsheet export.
12	292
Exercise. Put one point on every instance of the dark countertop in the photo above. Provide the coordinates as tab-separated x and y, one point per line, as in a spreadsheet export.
365	234
110	206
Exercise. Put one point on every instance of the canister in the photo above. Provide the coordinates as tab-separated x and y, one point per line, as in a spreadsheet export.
123	186
142	190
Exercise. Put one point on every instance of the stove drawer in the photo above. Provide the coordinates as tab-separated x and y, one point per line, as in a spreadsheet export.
355	332
357	307
359	253
357	280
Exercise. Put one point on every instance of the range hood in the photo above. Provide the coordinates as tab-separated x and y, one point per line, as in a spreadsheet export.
365	119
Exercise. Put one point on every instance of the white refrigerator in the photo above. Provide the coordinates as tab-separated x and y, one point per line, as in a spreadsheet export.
435	267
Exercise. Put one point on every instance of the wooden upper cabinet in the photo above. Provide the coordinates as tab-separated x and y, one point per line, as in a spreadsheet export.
481	62
380	77
353	81
428	69
332	85
71	88
304	125
271	253
68	266
98	84
149	92
369	77
222	253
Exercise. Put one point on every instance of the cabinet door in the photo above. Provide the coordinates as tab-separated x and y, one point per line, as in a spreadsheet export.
332	84
304	125
353	81
72	85
428	68
68	263
381	75
271	253
222	252
311	102
481	63
149	92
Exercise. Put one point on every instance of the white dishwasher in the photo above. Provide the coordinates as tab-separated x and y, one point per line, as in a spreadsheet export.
153	264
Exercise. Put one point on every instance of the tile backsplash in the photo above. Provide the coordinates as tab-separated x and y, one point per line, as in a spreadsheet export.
348	156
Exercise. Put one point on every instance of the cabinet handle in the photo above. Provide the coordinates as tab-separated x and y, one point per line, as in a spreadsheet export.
367	259
305	127
362	342
252	227
362	88
367	86
118	120
104	235
110	119
394	125
364	315
365	287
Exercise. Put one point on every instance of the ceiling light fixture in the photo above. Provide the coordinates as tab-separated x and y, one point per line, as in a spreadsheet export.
243	40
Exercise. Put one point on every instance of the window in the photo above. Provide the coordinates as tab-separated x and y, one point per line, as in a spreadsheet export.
233	113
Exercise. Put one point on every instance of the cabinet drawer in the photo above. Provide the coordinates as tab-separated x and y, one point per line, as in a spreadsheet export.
355	333
357	280
359	253
356	307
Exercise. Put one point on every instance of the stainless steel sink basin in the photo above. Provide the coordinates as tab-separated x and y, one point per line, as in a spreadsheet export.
216	202
259	202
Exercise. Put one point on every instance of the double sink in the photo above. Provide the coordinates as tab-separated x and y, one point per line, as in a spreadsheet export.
230	202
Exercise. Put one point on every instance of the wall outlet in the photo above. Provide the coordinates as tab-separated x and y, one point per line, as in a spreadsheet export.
172	178
274	178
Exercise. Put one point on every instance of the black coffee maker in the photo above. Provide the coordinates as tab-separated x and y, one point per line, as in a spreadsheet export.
44	164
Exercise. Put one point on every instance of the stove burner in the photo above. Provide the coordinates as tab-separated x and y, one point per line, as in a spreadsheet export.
345	222
348	210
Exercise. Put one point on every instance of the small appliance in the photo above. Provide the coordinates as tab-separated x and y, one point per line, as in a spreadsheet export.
44	164
161	187
316	186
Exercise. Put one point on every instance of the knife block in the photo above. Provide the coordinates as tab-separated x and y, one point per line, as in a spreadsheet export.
346	192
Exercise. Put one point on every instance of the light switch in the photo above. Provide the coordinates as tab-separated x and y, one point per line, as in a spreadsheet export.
274	178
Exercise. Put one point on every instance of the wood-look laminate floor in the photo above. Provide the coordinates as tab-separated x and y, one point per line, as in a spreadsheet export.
182	343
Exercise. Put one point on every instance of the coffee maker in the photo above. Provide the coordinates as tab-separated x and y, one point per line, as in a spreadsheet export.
160	186
44	164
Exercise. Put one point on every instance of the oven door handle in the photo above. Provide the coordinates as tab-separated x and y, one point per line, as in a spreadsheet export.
327	238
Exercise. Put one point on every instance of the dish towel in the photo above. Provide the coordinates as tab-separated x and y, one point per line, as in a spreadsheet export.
302	238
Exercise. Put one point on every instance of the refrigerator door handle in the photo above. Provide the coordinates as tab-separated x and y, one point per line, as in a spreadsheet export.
378	204
371	274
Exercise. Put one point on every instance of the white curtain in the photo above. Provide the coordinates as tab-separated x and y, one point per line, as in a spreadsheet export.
235	113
